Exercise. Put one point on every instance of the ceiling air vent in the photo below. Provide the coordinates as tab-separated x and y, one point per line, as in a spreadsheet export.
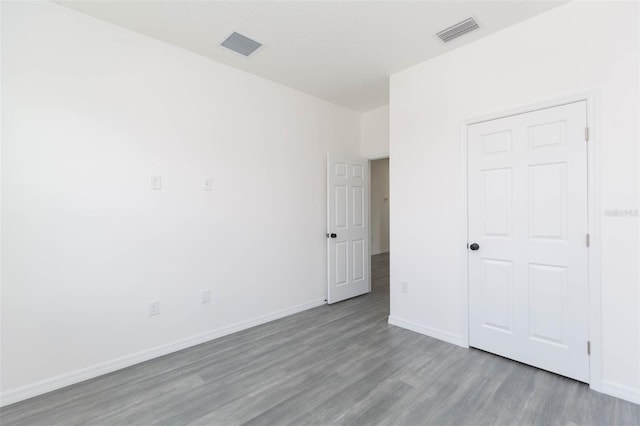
458	29
241	44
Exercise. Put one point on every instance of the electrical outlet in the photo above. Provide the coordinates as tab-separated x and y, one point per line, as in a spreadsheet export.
154	308
207	184
206	295
404	287
156	183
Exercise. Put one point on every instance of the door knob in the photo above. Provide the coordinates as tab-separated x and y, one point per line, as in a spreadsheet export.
474	246
332	235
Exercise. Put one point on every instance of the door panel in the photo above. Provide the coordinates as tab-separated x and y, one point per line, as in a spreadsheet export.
341	261
548	201
547	302
497	294
358	206
348	220
497	203
528	288
340	210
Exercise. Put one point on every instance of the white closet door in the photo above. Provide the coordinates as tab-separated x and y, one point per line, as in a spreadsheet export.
528	289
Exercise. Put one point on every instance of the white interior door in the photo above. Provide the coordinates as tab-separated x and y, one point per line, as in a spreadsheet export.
348	228
528	289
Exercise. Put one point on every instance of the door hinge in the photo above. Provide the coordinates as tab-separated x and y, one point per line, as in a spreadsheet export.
588	347
586	134
588	240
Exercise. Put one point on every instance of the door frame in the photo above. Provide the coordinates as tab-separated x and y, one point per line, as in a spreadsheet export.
592	99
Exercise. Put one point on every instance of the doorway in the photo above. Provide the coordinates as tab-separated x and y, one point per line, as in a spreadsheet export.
379	227
357	194
379	206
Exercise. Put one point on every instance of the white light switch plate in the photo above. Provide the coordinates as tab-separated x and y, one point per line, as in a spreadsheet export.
156	182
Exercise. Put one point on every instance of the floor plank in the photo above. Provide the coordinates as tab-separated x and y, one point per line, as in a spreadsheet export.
339	364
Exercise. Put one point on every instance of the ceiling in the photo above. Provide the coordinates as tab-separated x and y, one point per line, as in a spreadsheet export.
341	51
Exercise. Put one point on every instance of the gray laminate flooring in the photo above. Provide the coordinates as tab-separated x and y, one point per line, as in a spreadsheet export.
338	364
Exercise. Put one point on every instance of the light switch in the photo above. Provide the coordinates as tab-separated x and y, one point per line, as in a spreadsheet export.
207	184
206	295
156	182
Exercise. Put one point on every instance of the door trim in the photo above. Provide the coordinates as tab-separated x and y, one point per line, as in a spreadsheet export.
592	99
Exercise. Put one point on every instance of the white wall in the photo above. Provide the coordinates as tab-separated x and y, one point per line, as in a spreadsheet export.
90	112
571	49
374	133
379	206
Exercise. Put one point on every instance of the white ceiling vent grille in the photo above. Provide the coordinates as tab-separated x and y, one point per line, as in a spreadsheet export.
458	29
241	44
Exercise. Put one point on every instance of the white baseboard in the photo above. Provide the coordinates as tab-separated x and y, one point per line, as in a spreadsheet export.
63	380
621	391
427	331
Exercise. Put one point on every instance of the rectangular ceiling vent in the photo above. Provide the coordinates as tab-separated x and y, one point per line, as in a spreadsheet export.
458	29
241	44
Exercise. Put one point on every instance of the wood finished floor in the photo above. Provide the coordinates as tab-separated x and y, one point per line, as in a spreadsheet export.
339	364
